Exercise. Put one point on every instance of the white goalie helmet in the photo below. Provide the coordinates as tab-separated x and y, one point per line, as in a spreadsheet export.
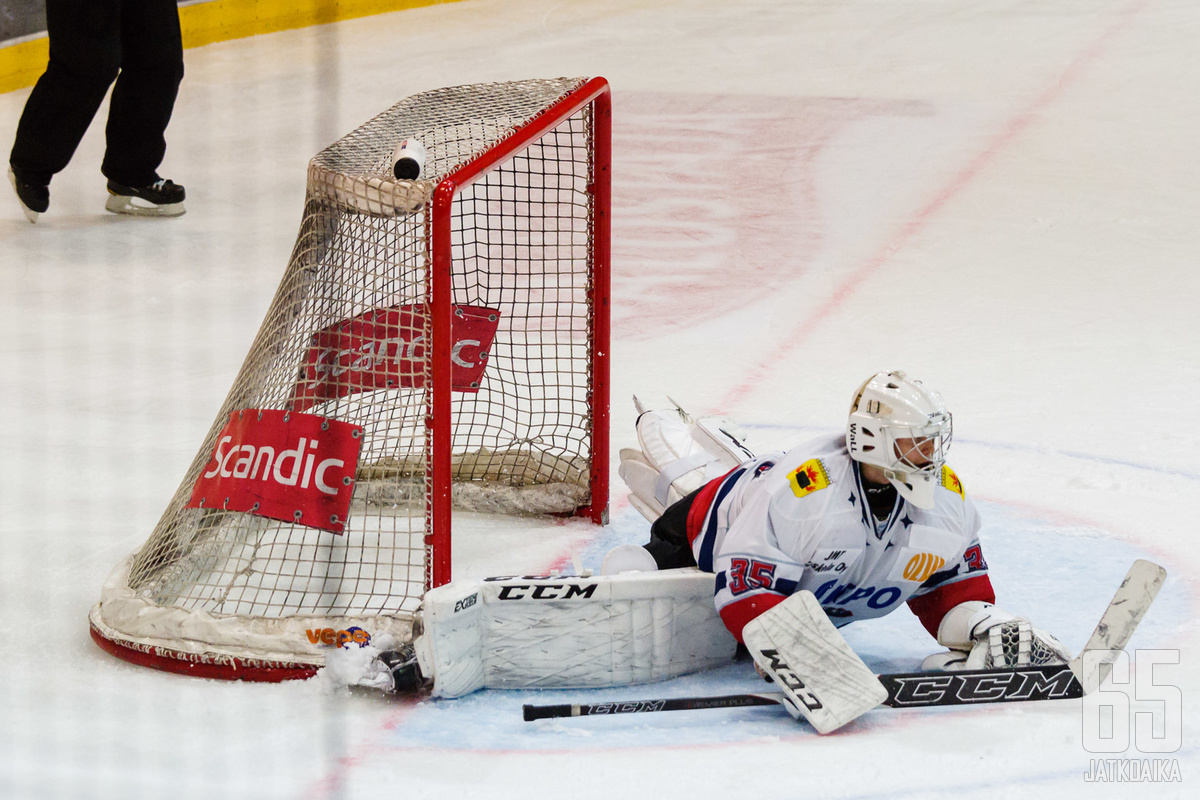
896	423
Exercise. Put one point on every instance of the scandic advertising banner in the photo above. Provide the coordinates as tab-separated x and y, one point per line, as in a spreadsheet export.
283	465
386	349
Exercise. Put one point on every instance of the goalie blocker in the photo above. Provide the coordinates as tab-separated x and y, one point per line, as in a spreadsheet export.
823	681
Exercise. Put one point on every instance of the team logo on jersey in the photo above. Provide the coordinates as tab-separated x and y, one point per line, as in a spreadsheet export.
951	482
922	565
808	478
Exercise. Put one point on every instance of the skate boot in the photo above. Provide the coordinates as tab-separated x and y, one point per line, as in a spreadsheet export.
34	197
406	672
159	199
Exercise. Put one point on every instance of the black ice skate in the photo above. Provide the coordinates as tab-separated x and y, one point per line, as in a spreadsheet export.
159	199
34	197
406	672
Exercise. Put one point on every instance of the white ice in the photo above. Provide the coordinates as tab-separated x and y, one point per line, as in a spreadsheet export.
1001	197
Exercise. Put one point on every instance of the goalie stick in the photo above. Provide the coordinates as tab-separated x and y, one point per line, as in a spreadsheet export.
967	687
905	690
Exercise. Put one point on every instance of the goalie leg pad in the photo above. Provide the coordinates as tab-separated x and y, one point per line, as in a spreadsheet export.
561	632
677	455
823	680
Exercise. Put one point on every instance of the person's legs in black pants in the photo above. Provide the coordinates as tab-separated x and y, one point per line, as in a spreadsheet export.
85	55
145	91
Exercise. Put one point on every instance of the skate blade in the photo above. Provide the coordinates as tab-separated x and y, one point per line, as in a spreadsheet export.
135	206
30	214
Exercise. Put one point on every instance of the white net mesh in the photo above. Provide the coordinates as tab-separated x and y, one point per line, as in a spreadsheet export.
522	253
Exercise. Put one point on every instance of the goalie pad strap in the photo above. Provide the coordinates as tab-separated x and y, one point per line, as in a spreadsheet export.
670	473
641	478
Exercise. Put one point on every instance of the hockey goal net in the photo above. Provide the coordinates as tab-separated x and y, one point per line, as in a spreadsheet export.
434	344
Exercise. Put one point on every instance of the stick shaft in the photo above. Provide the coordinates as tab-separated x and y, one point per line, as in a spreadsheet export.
905	690
533	712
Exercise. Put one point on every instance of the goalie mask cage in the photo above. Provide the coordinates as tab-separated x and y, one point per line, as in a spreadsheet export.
433	343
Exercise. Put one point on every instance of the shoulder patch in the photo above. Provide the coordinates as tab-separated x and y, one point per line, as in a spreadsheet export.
951	482
809	477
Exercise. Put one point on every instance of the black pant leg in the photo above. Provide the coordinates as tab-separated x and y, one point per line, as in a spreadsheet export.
668	536
85	54
144	95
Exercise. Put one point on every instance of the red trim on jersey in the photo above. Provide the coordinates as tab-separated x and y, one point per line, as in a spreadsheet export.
738	613
699	508
930	608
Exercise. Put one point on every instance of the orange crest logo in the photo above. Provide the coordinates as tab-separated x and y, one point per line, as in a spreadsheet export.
808	478
951	482
922	565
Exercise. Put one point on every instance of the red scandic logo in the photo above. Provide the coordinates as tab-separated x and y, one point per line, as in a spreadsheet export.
385	349
283	465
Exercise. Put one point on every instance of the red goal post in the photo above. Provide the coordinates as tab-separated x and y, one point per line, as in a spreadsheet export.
435	345
595	94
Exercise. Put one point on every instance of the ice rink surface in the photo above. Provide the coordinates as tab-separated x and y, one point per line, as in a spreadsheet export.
999	197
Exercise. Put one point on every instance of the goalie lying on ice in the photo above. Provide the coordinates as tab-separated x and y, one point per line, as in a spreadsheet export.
856	525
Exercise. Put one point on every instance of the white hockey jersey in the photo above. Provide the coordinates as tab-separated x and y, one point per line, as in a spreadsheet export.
800	520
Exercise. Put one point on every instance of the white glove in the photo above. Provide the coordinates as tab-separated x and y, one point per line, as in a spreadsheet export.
982	636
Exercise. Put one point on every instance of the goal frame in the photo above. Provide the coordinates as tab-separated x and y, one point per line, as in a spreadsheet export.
184	654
